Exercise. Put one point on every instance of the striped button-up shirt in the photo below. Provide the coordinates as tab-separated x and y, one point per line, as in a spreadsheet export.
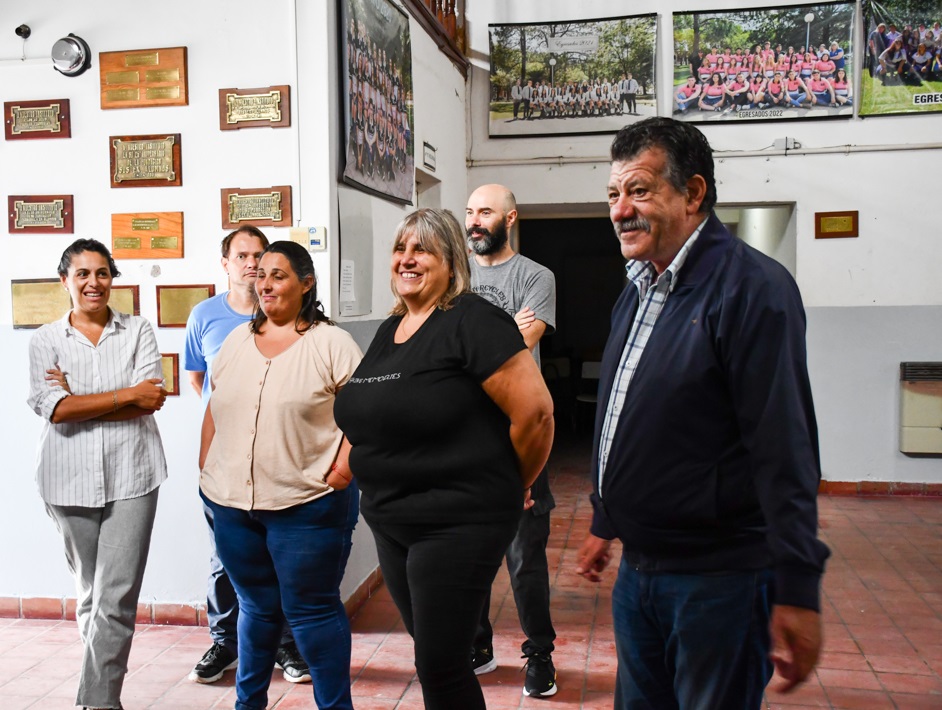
91	463
653	290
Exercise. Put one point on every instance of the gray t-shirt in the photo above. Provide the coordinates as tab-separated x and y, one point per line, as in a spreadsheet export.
516	283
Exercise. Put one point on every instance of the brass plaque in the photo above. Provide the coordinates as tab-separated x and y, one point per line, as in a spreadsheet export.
122	77
836	224
139	223
174	303
152	77
43	118
37	119
123	94
170	368
158	75
147	235
162	92
144	59
126	299
40	213
250	108
122	243
164	243
245	208
145	161
38	301
263	207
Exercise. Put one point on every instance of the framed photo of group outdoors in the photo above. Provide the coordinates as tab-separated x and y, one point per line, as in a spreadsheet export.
902	65
561	78
377	96
772	63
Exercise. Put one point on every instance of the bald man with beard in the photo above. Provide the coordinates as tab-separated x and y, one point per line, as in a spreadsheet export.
527	291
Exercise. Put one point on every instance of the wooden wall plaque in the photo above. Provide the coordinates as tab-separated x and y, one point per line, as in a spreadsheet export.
147	235
26	120
143	77
170	367
146	161
126	299
174	303
252	108
38	301
49	214
261	206
829	225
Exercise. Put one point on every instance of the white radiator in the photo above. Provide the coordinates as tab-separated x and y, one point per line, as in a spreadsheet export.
920	407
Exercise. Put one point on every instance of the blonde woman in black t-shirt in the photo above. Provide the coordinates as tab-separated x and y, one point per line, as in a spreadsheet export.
450	422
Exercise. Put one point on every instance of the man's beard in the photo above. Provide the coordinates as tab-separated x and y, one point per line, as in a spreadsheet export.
490	242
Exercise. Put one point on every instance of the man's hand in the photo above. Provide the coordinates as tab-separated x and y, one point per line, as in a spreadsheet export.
56	378
524	318
594	556
528	502
796	644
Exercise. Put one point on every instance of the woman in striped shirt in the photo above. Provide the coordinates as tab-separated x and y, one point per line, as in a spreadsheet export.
95	379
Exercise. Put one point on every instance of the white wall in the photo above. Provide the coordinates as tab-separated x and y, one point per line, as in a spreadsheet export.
888	275
240	44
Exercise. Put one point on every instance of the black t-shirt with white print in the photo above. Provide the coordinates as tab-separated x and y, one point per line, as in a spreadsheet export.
429	445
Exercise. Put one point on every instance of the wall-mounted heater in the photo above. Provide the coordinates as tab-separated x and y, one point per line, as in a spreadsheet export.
920	407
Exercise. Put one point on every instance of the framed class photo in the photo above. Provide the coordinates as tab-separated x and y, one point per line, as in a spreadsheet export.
377	95
764	64
563	78
902	65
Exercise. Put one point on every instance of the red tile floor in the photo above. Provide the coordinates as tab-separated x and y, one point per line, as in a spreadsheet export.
882	616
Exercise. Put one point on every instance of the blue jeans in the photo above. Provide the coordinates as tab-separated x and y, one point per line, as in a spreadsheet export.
290	561
691	641
222	606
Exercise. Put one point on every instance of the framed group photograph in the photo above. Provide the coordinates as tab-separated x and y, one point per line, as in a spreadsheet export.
902	67
761	64
564	78
378	123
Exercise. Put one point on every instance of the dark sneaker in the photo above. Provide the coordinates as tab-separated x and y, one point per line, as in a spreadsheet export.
541	676
482	660
216	661
290	661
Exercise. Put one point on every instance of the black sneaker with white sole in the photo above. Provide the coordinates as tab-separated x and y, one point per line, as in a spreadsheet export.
216	661
482	660
541	676
289	660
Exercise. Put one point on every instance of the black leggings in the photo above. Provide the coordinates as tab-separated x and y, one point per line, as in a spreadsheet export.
439	576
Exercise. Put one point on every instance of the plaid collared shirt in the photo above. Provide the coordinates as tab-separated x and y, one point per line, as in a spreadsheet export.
653	291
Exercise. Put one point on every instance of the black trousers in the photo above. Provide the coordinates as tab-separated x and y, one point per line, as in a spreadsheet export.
439	576
529	577
632	105
516	108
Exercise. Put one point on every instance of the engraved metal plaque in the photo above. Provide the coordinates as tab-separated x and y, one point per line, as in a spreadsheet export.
262	207
145	161
23	120
250	108
38	301
174	303
126	299
40	214
828	225
151	77
149	235
170	368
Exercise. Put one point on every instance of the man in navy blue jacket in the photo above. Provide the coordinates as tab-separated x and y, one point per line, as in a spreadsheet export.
705	459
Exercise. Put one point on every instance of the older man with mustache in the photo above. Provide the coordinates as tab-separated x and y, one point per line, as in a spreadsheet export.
705	459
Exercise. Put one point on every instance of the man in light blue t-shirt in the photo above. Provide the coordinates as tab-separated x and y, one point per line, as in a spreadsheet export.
209	324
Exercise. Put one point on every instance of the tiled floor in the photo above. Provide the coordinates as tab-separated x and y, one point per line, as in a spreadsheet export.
883	626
